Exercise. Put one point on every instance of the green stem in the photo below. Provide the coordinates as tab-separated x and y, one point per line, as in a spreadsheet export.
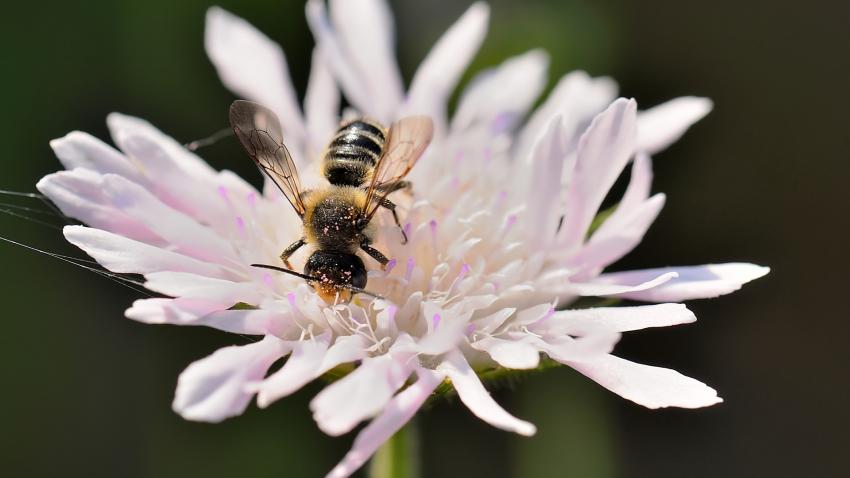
398	457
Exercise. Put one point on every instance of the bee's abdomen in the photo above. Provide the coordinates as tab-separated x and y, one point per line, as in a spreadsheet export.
353	152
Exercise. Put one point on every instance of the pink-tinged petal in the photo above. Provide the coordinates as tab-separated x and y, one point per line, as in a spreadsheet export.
661	126
120	254
602	286
210	313
692	282
577	98
179	229
395	414
543	208
82	150
498	98
361	394
473	394
321	103
80	194
511	353
183	284
124	128
446	330
352	82
621	319
440	71
614	243
302	366
638	190
489	324
603	151
652	387
254	67
598	342
366	32
347	348
213	388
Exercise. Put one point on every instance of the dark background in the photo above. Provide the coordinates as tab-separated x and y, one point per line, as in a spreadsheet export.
762	179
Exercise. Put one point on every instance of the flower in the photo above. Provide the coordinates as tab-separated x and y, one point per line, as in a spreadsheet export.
503	225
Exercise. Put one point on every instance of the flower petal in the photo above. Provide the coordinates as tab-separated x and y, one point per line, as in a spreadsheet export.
303	366
395	414
440	71
473	394
184	284
213	388
510	353
366	32
602	286
661	126
359	395
603	151
82	150
321	104
208	312
621	319
79	194
692	282
577	98
120	254
498	98
652	387
254	67
543	203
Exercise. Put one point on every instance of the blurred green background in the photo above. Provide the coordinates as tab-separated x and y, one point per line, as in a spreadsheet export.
763	179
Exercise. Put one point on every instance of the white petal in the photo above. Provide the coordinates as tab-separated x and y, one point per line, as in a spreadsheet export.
321	103
543	203
613	243
120	254
603	152
440	71
179	229
473	394
602	286
396	413
352	82
82	150
652	387
302	366
80	194
213	388
498	98
359	395
365	30
208	312
516	354
577	98
347	348
446	330
254	67
183	284
662	125
693	282
621	319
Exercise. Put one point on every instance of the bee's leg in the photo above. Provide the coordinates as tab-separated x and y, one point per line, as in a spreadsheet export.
284	256
392	187
376	254
391	206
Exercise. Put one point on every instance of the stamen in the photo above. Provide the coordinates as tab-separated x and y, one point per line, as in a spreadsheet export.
411	263
389	267
436	321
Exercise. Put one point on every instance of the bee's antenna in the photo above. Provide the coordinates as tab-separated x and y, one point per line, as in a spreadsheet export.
211	139
316	279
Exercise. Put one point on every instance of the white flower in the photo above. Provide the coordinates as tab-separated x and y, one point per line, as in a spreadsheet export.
499	225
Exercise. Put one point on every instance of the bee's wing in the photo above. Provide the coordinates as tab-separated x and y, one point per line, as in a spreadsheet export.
408	138
259	131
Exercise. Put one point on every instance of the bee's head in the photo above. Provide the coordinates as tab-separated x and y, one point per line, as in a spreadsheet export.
337	273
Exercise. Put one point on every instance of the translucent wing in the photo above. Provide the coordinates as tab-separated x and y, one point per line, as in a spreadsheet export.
408	138
259	131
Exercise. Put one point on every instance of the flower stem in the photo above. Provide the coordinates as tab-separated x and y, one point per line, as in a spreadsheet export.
398	457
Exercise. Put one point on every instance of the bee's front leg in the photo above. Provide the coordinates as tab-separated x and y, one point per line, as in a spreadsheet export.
284	256
375	254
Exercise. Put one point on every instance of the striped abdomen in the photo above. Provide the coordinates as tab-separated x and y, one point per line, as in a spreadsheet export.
353	153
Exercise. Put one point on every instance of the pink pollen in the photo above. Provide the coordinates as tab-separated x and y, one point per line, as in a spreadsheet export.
390	265
470	328
464	270
436	320
240	223
408	228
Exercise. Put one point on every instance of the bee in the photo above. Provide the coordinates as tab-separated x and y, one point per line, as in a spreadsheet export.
363	164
